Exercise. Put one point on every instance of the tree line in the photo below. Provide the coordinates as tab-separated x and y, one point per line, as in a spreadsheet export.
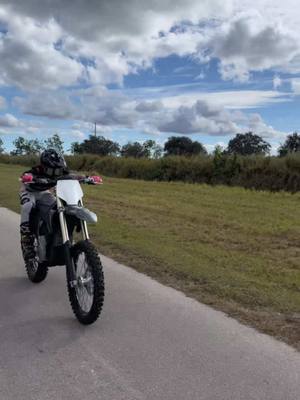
244	144
25	147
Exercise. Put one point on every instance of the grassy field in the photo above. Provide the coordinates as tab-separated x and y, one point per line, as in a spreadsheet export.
235	249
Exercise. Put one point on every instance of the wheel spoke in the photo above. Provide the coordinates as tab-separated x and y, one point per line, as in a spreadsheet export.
85	284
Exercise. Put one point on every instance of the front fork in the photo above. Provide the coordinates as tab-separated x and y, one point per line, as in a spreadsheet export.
71	273
84	228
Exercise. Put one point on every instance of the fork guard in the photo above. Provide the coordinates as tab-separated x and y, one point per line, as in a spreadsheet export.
82	213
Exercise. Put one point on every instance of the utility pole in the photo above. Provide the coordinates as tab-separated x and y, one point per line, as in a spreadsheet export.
95	128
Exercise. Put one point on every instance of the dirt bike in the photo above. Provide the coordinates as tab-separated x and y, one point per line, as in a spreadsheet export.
54	222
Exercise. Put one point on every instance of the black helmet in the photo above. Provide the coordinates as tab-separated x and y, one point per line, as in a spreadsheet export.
53	163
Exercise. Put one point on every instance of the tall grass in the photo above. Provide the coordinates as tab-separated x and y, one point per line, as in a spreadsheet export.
19	160
255	172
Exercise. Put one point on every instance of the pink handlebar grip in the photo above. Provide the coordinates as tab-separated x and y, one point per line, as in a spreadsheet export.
97	179
27	178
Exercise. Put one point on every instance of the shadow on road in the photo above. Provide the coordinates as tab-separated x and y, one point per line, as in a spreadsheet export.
34	321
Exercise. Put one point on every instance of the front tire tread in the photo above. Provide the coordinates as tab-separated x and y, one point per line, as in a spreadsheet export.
94	261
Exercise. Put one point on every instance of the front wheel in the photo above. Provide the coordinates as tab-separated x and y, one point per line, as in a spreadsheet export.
87	295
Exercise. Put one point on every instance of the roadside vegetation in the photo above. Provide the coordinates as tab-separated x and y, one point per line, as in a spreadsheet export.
245	162
252	172
235	249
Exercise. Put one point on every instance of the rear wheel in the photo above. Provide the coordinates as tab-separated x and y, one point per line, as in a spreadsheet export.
36	271
87	295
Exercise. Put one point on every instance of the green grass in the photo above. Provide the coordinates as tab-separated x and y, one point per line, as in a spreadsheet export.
235	249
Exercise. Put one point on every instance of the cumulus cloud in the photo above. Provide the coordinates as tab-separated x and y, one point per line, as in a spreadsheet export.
62	43
204	115
149	106
115	21
256	124
113	109
9	121
28	55
52	44
249	42
200	118
48	104
64	56
208	119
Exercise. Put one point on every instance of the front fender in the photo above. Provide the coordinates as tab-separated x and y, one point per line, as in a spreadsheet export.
82	213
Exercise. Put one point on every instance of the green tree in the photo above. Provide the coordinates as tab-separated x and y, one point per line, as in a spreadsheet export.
247	144
154	149
55	142
291	145
26	147
148	149
134	149
1	146
96	145
76	148
183	146
218	151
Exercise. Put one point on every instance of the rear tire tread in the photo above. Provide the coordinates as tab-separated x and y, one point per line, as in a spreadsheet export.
39	275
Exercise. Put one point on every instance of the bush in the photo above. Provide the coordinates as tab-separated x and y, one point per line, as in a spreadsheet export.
20	160
253	172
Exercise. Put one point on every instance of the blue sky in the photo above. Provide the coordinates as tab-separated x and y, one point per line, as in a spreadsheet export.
149	70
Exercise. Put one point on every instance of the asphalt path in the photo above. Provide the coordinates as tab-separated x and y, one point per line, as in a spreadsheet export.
151	342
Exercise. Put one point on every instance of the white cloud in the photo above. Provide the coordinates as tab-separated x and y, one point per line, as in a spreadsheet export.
207	118
28	55
211	147
33	129
3	103
115	17
237	99
201	117
9	121
46	47
216	114
77	134
149	106
256	124
250	42
47	104
277	82
61	43
200	76
295	85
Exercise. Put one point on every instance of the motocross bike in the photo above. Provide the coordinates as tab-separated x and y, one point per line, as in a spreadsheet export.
54	222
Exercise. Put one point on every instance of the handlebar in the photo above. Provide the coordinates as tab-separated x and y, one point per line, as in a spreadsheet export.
90	180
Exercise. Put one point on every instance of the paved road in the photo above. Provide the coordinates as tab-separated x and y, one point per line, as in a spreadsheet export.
151	342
